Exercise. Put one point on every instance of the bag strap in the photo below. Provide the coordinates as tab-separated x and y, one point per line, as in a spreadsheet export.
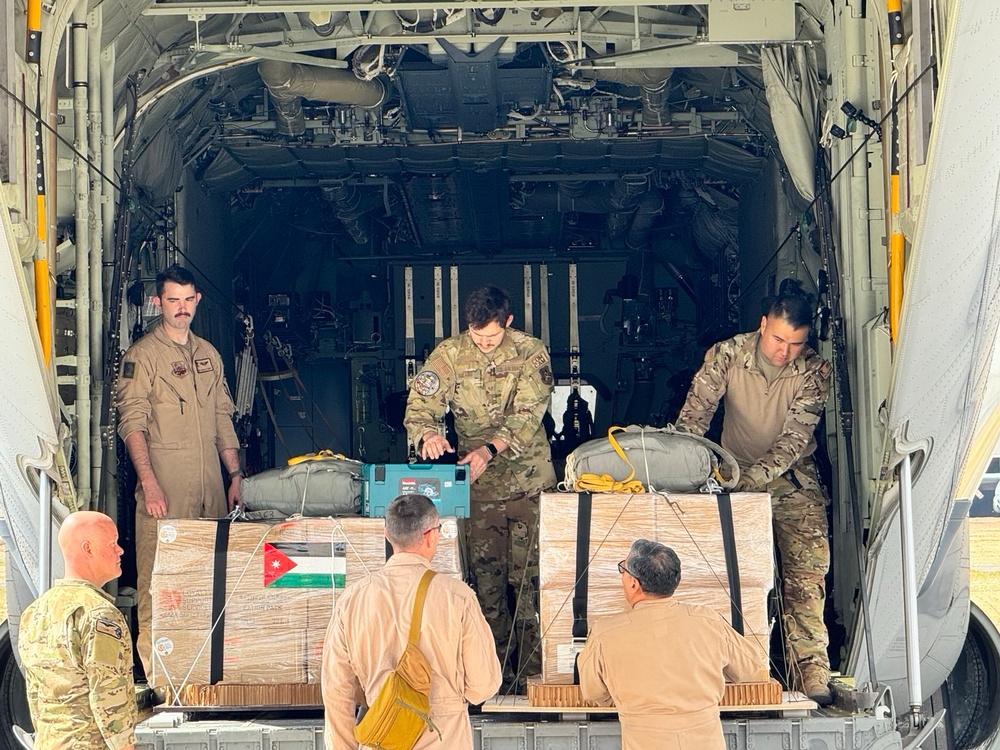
322	455
418	605
605	482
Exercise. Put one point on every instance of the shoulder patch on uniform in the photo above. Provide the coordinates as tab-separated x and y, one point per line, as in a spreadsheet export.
427	383
538	360
546	375
128	370
203	365
108	627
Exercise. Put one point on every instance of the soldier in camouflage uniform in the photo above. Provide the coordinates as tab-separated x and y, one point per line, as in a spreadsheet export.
76	649
497	382
776	388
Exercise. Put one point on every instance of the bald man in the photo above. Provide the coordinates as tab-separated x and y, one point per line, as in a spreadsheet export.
75	647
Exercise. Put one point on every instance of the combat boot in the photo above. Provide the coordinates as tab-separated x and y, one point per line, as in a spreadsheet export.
816	684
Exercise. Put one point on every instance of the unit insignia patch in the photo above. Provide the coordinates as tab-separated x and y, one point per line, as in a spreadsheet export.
427	383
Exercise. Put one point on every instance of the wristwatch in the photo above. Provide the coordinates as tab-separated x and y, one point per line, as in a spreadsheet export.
492	449
237	473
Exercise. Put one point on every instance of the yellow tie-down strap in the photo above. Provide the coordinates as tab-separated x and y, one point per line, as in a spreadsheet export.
607	483
322	455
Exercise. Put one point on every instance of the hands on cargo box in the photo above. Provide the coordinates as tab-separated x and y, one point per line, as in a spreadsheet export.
434	446
478	459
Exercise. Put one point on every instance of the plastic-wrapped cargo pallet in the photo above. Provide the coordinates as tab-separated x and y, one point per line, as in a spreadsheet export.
691	524
274	584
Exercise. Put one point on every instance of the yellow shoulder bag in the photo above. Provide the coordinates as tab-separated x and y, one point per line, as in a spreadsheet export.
401	711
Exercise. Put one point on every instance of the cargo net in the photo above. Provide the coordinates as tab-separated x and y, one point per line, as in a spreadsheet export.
726	546
240	609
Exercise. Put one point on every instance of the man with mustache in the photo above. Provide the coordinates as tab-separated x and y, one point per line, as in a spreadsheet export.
175	416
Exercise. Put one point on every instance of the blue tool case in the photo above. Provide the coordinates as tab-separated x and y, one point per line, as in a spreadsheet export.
446	484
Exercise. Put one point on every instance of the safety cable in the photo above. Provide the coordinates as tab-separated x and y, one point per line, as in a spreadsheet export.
825	187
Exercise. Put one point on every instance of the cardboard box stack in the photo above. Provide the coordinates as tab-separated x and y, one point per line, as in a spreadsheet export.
690	524
275	585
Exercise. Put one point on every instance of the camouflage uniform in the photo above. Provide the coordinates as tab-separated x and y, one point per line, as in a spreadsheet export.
77	656
770	429
503	396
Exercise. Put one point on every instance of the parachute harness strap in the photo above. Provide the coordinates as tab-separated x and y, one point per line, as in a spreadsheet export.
607	483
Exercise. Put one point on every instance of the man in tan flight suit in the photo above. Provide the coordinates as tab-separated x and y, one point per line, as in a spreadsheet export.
175	416
497	382
76	649
775	387
370	626
664	664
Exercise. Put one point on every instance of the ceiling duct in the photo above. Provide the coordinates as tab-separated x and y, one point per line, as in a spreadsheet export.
290	83
474	91
650	206
652	83
346	201
625	196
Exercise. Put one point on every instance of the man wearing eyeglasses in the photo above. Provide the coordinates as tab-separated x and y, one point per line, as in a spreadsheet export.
664	663
497	382
369	630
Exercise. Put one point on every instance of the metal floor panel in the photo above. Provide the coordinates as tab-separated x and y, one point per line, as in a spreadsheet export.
814	732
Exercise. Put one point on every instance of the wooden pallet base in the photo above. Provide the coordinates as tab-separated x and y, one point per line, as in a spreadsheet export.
568	696
242	696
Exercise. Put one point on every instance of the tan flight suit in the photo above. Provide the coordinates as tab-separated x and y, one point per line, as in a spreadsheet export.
770	429
367	636
177	396
76	651
501	395
664	664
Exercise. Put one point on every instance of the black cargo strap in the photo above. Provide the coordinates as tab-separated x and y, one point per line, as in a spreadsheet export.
732	561
219	600
582	564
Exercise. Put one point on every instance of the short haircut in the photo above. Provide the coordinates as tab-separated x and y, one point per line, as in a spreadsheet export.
488	304
407	518
177	274
655	566
792	304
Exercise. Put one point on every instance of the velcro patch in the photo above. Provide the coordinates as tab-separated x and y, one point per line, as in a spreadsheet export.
108	627
179	369
546	375
427	383
538	360
128	370
203	365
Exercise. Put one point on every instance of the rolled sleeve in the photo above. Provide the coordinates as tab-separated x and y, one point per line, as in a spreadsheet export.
135	386
225	433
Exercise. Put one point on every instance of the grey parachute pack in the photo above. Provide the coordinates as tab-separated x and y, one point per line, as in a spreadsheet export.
662	459
323	484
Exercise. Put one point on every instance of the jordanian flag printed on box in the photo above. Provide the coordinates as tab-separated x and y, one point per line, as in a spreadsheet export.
305	565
